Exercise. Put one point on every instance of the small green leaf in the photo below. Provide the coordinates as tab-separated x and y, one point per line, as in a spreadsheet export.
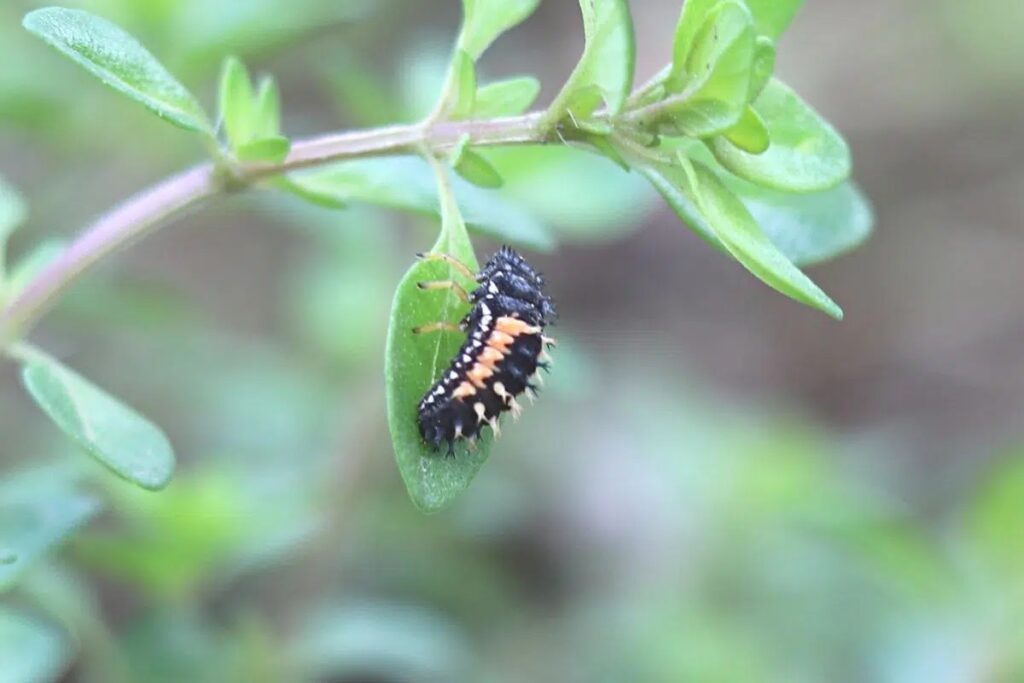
12	213
32	650
505	98
474	167
267	113
118	60
36	520
127	443
993	518
608	57
739	233
484	20
406	183
464	81
718	70
763	66
414	361
237	103
806	154
691	19
750	134
273	149
772	17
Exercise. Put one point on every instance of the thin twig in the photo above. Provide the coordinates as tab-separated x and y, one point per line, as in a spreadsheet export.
153	207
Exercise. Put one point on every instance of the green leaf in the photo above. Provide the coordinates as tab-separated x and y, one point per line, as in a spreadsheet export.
807	228
608	57
474	167
267	109
740	235
406	183
718	73
772	17
12	213
414	361
763	66
127	443
34	520
505	98
237	103
484	20
32	650
271	149
750	134
806	154
691	19
464	80
120	61
993	519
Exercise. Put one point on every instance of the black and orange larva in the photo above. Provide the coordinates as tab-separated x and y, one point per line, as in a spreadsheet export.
505	347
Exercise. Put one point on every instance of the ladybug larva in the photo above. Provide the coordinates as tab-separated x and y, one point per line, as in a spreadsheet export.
504	348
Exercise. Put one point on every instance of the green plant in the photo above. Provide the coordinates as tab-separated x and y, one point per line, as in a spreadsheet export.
739	157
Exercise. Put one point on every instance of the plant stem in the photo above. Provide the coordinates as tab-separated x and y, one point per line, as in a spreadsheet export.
153	207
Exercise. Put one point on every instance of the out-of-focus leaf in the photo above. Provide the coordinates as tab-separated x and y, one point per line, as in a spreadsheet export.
806	154
120	61
127	443
36	515
717	74
994	518
175	540
272	149
772	17
583	197
608	58
739	233
395	642
12	213
413	362
505	98
31	650
405	183
750	134
474	167
485	20
236	102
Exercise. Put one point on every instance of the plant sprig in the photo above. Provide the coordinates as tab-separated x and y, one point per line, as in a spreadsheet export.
738	155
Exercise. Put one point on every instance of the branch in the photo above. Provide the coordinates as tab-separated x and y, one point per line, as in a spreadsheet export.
155	206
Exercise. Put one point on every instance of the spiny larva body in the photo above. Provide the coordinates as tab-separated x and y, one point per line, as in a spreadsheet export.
505	346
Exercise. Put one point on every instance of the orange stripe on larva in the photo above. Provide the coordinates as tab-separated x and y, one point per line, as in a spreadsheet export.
500	341
490	357
514	326
463	390
478	374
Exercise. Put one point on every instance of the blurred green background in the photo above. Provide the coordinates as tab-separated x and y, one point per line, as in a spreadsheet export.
718	485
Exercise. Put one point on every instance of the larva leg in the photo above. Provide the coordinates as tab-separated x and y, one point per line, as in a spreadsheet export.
450	260
455	287
436	327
